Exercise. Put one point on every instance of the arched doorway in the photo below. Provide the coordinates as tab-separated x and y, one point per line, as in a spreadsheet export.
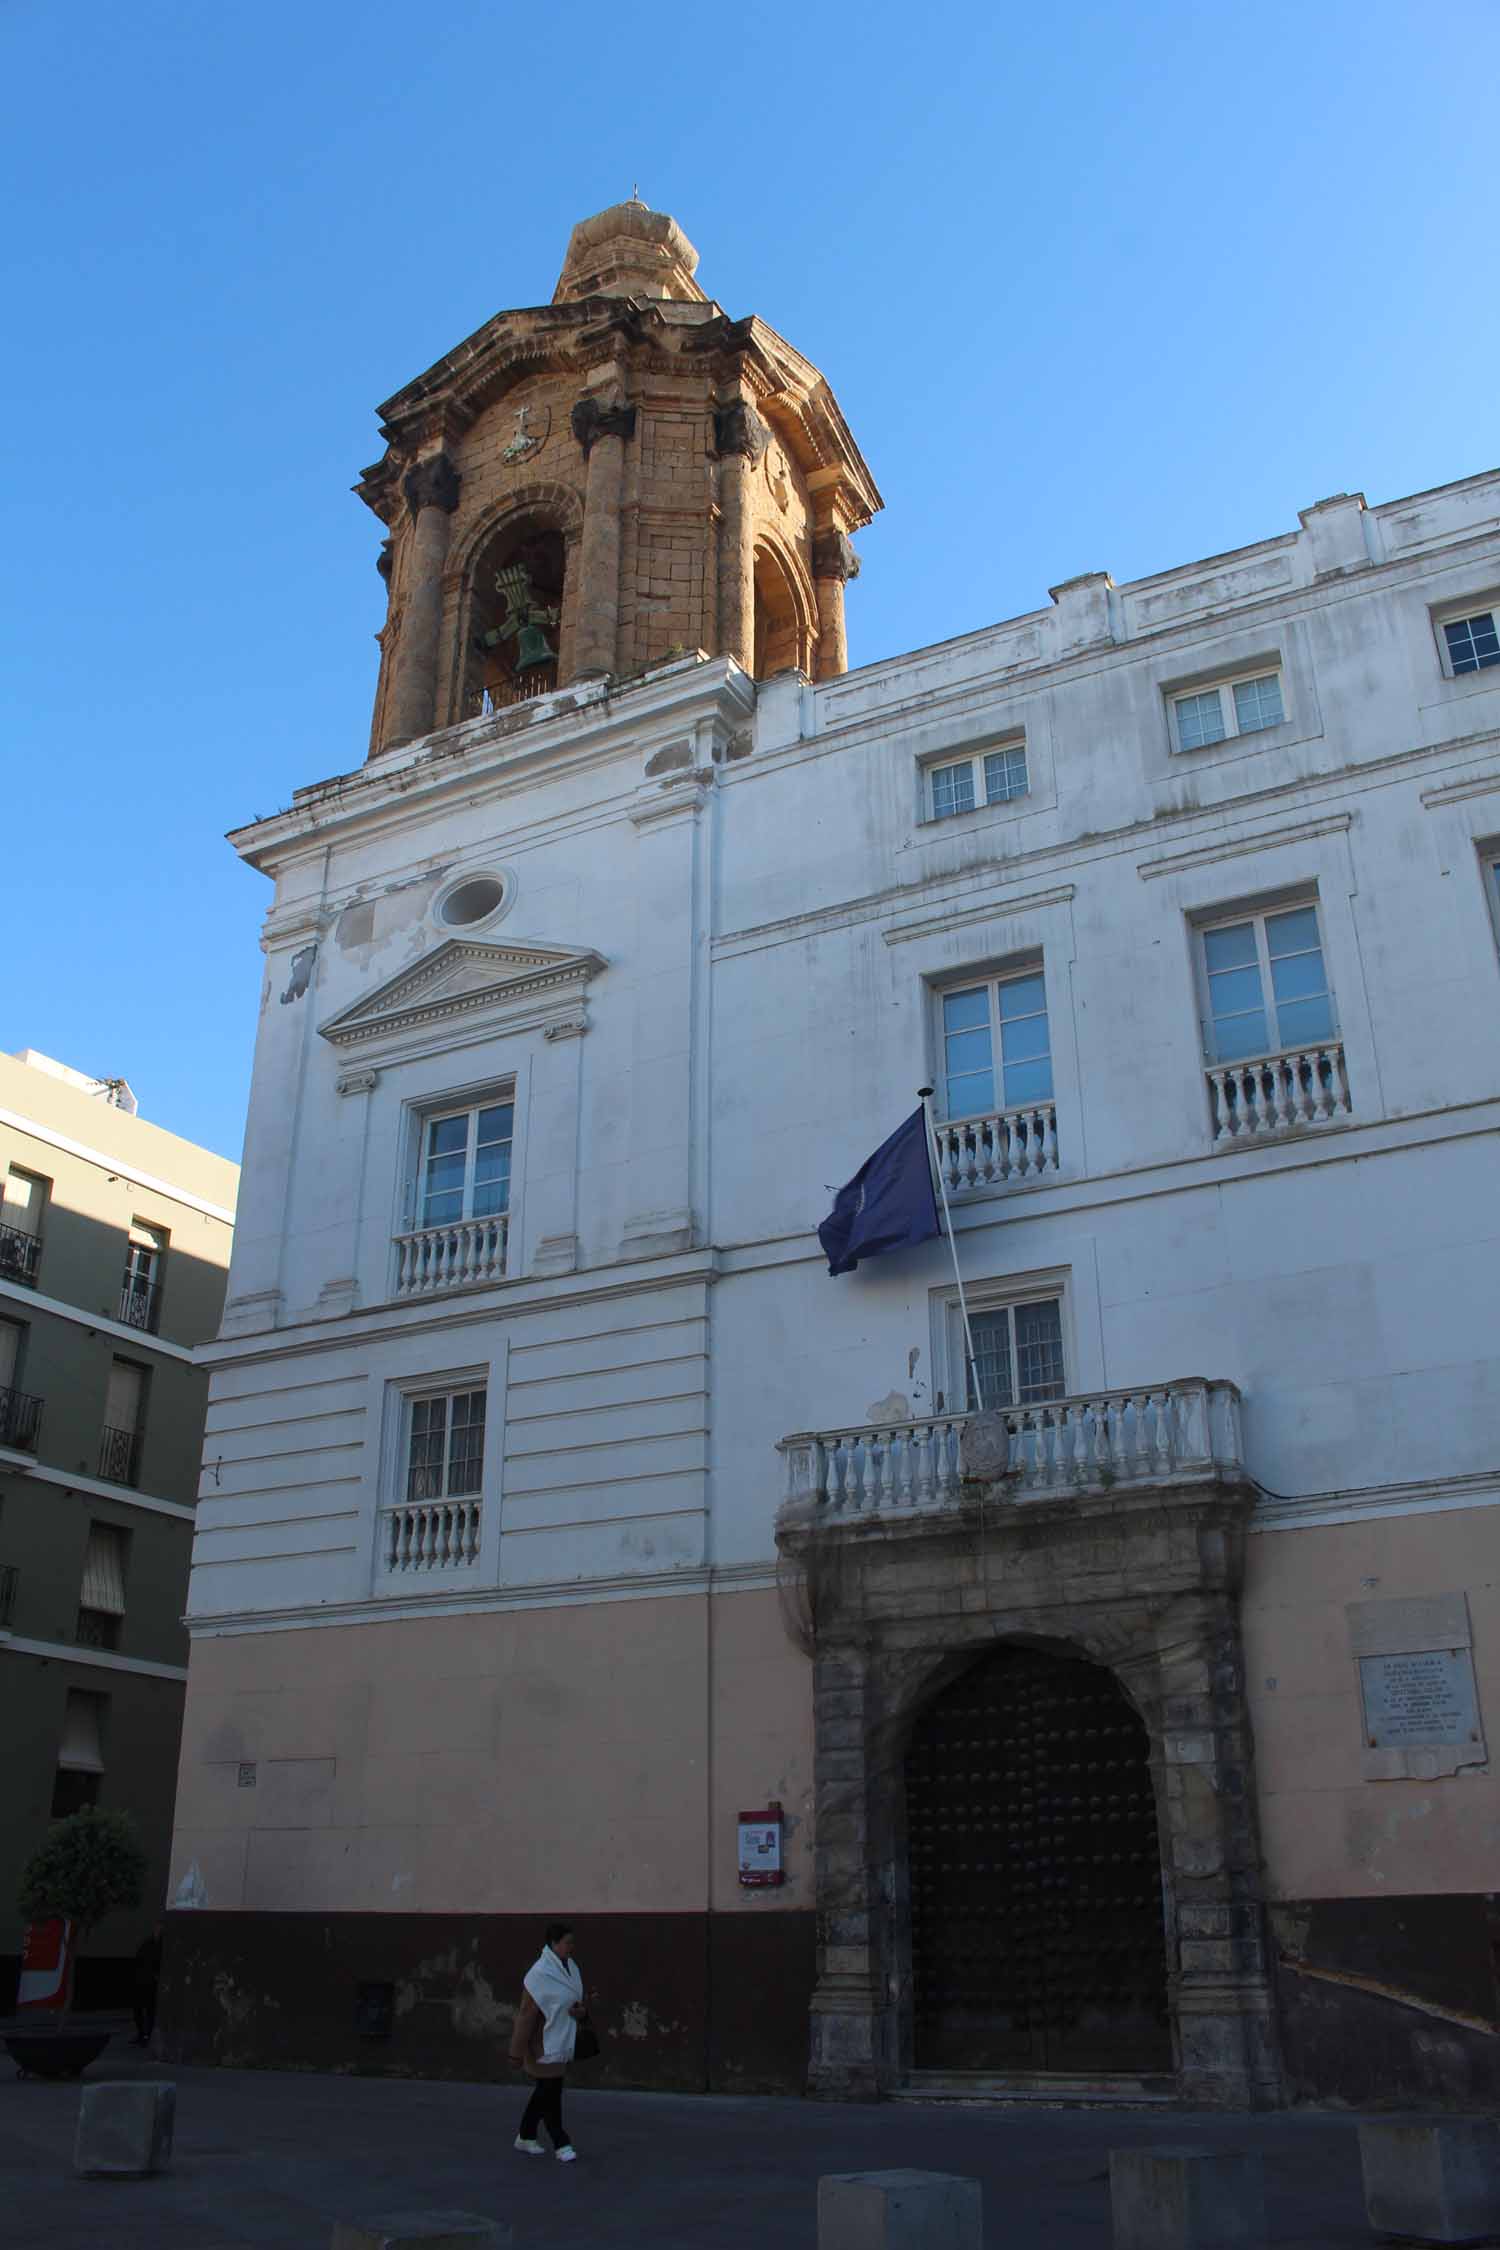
1037	1939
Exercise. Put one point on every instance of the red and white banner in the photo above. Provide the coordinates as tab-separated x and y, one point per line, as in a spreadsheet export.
45	1959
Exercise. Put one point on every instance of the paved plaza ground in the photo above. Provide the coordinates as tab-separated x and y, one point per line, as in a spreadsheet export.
268	2158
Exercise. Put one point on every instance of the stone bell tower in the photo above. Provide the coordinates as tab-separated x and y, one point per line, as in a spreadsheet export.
584	488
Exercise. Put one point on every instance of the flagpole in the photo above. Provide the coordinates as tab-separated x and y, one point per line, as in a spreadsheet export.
924	1096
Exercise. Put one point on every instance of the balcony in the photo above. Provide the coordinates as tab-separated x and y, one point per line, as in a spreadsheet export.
20	1420
140	1303
20	1255
120	1456
462	1256
1272	1095
1004	1144
1090	1443
425	1537
10	1578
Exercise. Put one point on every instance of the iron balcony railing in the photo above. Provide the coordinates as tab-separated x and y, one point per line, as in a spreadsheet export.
20	1255
97	1628
140	1303
20	1419
9	1577
120	1456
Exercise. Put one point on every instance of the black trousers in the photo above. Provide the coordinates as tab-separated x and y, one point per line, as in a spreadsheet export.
143	2007
545	2108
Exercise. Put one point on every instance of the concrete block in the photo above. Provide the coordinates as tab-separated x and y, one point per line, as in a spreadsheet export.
1437	2181
423	2230
124	2129
1187	2199
899	2211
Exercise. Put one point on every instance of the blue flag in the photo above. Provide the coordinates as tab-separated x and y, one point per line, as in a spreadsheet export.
888	1204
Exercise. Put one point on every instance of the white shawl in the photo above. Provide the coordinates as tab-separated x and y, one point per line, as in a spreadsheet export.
556	1986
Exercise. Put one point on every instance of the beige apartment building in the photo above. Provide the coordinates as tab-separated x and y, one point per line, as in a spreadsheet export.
114	1246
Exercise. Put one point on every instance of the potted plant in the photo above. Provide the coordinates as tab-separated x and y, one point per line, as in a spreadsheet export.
86	1866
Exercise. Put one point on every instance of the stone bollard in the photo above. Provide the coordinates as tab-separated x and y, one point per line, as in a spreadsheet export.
423	2230
1187	2199
1433	2182
124	2129
899	2211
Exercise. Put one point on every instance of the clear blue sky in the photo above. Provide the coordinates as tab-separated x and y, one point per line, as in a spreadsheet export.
1098	288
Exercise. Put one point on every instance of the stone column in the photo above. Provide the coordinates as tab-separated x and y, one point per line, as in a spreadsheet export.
740	438
602	431
834	564
431	491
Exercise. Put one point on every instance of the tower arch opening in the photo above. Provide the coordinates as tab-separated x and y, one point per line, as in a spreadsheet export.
514	609
1033	1863
783	630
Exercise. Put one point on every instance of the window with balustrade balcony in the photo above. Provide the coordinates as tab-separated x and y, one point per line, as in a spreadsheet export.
20	1411
458	1224
1274	1060
22	1203
999	1120
434	1525
140	1286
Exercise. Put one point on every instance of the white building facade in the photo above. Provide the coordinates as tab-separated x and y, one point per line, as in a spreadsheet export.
1183	896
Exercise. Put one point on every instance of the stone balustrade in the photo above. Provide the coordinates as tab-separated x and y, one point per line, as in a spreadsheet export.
1273	1094
1004	1144
424	1536
470	1252
1143	1434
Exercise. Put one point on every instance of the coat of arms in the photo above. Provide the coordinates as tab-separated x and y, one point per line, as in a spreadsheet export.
532	430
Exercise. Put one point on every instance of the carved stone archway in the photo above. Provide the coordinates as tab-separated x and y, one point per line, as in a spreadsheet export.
1145	1582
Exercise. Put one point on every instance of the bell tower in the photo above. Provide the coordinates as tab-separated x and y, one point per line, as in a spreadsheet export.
585	488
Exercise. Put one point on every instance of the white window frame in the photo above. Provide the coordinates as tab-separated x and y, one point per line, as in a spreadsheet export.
1014	972
1010	746
431	1394
1455	613
1489	867
994	1297
1186	691
437	1113
1257	913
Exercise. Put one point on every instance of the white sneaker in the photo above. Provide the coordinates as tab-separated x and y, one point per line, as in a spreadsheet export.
568	2155
529	2148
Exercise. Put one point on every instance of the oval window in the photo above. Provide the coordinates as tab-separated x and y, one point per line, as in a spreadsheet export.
473	901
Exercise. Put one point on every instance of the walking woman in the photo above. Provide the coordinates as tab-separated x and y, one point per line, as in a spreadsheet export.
545	2035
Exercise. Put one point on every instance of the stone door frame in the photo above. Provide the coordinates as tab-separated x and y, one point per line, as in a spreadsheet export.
1146	1584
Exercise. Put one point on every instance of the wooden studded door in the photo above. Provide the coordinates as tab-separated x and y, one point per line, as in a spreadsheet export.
1036	1903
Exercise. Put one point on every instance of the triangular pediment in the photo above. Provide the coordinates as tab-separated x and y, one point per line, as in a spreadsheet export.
464	976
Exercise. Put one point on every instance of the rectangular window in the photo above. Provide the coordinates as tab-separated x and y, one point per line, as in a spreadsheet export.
995	1043
103	1584
140	1289
1473	643
124	1420
80	1754
1230	707
988	777
1018	1353
21	1206
464	1169
445	1446
1266	985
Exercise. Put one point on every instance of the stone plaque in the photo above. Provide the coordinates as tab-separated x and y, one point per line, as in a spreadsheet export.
1423	1697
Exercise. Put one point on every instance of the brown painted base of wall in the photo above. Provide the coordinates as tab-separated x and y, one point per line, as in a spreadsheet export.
687	2003
1390	2002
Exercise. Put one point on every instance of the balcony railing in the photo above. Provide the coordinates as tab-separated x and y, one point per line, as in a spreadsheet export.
426	1536
120	1456
20	1420
140	1303
97	1628
20	1255
522	687
1271	1094
10	1578
1144	1435
1004	1144
456	1257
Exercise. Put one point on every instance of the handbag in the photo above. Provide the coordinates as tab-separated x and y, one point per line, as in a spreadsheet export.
586	2044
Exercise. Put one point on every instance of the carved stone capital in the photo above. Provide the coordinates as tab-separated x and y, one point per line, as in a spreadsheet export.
433	483
833	556
739	429
358	1081
591	419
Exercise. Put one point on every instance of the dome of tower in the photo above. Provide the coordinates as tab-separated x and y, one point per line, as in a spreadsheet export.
629	251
